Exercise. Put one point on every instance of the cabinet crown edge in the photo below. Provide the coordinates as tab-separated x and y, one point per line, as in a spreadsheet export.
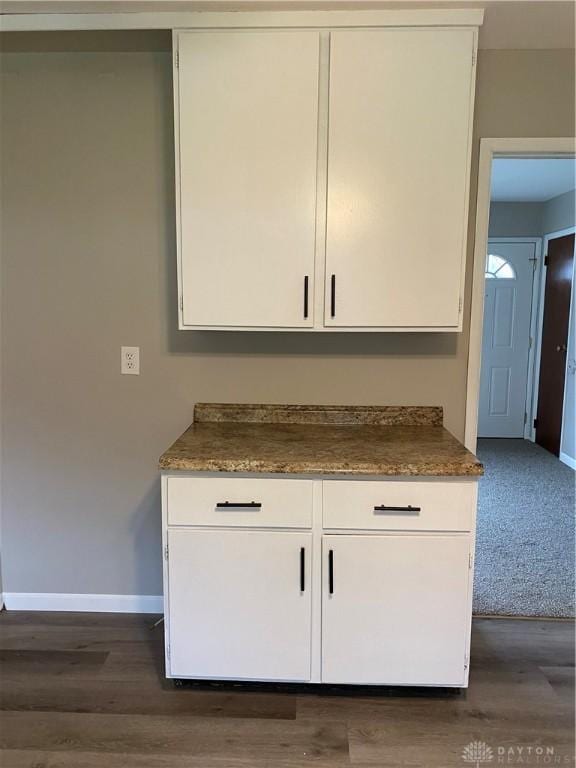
328	18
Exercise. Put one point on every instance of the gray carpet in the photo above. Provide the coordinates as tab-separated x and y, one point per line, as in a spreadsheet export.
525	537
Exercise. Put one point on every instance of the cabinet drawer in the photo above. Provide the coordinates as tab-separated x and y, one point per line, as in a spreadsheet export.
398	506
242	502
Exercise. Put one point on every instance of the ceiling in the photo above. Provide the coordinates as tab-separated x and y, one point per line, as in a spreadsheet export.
533	180
508	24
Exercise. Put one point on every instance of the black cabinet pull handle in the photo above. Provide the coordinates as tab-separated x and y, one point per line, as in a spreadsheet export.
239	505
333	296
331	572
409	509
306	296
302	569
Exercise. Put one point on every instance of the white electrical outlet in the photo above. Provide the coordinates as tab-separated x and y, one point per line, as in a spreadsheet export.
130	360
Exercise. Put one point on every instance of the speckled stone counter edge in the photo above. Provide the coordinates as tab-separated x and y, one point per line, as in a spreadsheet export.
387	469
375	415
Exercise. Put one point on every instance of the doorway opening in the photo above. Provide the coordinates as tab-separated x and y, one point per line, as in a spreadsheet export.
527	368
524	419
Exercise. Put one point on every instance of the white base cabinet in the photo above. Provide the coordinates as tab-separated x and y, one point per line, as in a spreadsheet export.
395	609
240	604
336	581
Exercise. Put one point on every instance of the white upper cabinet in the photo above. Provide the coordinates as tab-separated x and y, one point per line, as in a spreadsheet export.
248	124
399	144
323	175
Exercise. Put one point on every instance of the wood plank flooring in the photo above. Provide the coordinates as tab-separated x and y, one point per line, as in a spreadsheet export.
87	690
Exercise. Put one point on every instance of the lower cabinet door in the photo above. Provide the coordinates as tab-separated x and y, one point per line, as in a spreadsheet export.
239	604
395	609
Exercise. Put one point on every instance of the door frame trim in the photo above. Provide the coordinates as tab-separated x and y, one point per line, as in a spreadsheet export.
532	370
489	148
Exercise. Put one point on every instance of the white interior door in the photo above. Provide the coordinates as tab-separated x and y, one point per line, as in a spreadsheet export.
248	122
397	613
400	115
506	338
240	604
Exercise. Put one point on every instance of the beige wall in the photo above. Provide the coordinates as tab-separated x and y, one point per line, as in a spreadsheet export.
559	213
89	265
532	219
516	219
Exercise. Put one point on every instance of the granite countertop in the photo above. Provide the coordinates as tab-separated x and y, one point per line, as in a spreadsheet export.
320	440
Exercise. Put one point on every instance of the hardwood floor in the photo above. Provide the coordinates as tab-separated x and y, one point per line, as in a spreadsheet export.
87	690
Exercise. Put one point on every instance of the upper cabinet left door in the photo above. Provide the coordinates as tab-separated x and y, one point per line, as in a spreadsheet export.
246	136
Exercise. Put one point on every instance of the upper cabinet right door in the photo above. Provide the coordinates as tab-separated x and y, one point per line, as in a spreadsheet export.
400	125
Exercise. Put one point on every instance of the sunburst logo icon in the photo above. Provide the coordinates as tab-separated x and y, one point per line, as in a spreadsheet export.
477	753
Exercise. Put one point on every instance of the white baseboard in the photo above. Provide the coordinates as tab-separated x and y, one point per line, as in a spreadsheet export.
565	459
46	601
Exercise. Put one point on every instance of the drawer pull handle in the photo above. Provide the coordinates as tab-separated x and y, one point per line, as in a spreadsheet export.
410	510
238	505
306	296
302	569
331	571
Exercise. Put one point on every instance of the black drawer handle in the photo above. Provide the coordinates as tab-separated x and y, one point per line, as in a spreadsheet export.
331	572
409	509
302	569
306	296
239	505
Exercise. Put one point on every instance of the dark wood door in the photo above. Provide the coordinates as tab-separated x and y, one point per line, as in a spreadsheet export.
557	293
